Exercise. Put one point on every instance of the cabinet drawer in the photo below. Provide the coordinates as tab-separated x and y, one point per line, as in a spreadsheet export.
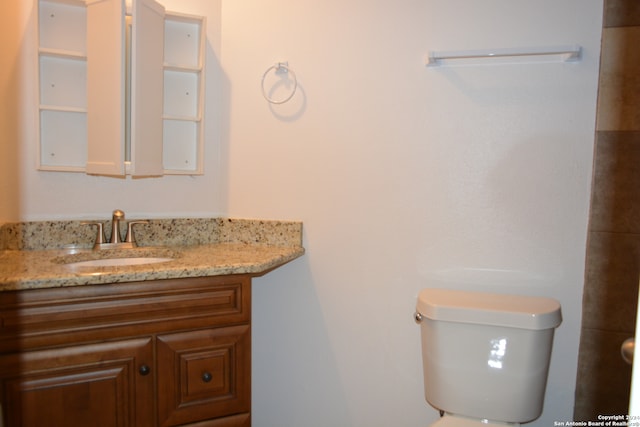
203	374
56	316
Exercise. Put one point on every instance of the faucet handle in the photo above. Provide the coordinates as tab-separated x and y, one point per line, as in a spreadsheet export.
100	239
129	237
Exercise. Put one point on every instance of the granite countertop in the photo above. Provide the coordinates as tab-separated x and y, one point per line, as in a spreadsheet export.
202	247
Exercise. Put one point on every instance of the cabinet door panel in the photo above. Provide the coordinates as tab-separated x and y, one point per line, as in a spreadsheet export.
203	374
147	51
105	87
90	385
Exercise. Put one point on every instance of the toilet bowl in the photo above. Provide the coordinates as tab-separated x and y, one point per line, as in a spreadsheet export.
485	356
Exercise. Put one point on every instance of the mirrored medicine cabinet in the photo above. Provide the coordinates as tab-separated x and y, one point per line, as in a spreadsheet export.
121	88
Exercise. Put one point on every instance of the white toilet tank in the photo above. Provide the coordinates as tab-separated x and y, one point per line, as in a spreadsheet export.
486	356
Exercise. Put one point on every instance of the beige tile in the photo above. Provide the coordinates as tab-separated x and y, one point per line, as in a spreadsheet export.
611	282
619	86
602	385
615	193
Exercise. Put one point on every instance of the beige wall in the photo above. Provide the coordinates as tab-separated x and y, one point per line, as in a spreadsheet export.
406	177
12	19
613	253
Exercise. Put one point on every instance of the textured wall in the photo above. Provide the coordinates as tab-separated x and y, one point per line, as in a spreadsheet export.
469	176
613	252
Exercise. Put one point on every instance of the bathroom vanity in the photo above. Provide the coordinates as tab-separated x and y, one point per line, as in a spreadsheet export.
160	344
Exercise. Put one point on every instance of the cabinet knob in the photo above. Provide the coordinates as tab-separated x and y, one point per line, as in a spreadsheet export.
627	350
206	377
144	370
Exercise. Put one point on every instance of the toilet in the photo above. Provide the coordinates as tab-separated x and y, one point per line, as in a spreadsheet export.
485	356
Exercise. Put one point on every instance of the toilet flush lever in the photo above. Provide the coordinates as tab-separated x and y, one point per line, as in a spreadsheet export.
627	350
417	317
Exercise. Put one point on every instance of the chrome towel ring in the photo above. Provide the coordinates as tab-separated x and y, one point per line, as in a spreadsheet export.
280	67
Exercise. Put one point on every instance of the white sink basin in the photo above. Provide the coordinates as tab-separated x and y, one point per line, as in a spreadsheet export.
115	258
118	262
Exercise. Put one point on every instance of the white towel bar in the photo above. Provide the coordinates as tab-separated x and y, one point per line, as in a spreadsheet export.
566	53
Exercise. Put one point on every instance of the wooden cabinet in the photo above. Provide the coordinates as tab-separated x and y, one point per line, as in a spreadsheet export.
156	353
89	385
121	91
203	374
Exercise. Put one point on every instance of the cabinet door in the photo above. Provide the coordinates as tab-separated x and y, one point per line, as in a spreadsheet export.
120	94
147	57
122	104
203	375
98	385
105	87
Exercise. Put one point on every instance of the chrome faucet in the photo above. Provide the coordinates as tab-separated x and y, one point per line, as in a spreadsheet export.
116	238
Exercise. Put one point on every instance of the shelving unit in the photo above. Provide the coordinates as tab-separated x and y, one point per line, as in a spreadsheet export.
89	122
62	63
183	93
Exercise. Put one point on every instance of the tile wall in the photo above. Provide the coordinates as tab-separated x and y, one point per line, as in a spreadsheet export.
613	250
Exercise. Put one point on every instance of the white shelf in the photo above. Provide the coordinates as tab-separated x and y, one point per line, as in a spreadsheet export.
62	78
183	94
182	67
44	107
182	118
81	63
62	53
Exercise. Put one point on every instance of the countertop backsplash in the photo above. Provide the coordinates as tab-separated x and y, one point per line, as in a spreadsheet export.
45	235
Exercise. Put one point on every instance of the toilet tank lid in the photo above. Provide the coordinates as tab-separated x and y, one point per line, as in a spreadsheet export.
513	311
